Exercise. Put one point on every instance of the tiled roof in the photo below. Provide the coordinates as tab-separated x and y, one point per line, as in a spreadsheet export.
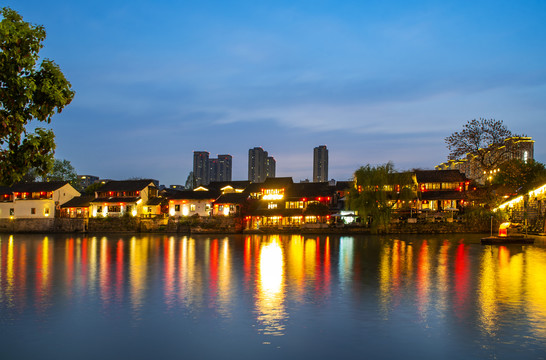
437	176
344	185
192	195
127	185
156	200
231	198
115	199
270	183
78	201
38	186
309	190
218	185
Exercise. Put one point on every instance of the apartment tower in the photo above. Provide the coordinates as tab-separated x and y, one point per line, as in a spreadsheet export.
320	164
260	165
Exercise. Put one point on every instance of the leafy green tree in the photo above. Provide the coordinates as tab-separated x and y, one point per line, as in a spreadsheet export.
376	191
91	189
62	171
476	138
190	181
28	91
520	176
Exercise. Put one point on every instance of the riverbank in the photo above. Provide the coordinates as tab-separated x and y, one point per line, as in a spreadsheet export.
220	225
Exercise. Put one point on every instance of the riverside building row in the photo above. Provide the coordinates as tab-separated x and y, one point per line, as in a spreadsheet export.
274	202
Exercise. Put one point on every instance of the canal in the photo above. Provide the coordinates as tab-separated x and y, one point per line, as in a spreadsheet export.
270	297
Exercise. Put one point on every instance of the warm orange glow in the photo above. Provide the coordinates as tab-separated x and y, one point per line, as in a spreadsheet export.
503	229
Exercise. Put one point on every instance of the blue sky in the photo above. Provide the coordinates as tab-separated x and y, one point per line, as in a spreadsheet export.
373	80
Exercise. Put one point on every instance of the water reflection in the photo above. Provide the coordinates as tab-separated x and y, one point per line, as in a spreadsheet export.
270	288
268	278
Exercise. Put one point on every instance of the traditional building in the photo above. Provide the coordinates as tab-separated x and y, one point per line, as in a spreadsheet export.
77	207
441	190
281	202
116	198
35	200
196	202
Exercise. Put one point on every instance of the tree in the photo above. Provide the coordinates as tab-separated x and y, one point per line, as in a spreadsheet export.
91	189
62	171
377	190
520	176
28	91
190	181
477	138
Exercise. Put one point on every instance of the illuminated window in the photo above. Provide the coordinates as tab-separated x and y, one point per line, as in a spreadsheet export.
177	208
272	194
525	156
46	211
272	205
11	211
192	207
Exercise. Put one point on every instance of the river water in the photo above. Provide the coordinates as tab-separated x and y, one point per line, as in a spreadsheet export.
270	297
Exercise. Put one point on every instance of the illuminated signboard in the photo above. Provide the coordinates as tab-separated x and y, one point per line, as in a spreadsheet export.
272	194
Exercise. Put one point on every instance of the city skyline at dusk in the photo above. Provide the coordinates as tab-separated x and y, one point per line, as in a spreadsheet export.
376	82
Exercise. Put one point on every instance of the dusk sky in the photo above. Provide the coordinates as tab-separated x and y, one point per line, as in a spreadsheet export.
373	80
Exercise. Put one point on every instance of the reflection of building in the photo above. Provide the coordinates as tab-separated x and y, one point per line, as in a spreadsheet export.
519	147
260	165
320	163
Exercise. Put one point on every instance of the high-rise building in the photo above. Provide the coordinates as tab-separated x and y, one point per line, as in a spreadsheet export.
320	164
201	168
260	165
270	167
220	168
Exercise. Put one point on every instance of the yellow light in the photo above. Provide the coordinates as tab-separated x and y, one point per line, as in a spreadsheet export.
273	197
134	212
226	210
171	211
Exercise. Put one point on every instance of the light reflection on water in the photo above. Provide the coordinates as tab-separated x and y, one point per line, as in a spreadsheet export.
282	291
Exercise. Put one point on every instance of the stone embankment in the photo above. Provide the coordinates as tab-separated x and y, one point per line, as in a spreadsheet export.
211	225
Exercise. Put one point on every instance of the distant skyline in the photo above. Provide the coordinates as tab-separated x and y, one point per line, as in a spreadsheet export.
374	81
